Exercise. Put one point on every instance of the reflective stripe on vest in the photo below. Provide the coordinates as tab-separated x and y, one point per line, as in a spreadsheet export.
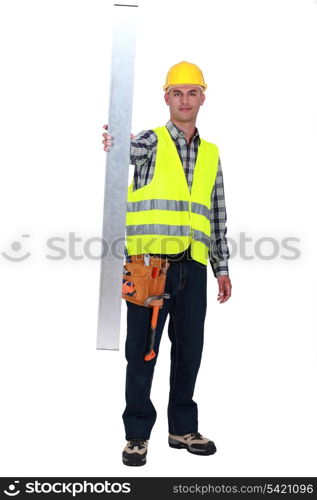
169	230
153	229
165	214
139	206
198	208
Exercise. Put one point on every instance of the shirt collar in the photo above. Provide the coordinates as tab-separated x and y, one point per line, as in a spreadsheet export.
176	132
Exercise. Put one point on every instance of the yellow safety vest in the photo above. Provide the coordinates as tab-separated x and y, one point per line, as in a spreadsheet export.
164	216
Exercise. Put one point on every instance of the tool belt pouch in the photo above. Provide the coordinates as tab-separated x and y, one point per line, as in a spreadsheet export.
138	285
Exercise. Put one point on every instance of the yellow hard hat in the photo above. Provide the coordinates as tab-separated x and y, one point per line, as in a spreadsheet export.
185	73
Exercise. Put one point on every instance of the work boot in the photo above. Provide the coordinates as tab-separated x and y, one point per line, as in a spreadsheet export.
135	452
193	442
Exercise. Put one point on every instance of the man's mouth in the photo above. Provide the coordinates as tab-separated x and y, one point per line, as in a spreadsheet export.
185	109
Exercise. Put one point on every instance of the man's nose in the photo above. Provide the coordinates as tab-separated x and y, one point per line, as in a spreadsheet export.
184	99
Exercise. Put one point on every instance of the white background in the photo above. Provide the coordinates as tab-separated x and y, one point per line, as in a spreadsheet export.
62	399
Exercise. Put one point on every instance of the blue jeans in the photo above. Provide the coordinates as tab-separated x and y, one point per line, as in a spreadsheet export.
187	283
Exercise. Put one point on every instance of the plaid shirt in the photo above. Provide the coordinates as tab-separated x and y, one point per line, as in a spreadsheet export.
143	155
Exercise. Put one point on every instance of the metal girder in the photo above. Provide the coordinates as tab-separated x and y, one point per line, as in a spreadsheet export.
117	173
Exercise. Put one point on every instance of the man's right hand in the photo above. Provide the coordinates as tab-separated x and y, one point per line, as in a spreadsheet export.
107	142
107	139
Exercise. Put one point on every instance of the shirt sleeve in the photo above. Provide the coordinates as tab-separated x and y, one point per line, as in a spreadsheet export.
218	252
142	153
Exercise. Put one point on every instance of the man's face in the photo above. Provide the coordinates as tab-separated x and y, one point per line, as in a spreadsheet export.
184	102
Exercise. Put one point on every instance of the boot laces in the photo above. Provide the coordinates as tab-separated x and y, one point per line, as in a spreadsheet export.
139	443
196	435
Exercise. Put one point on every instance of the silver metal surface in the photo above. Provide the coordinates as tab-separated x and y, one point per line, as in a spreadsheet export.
117	173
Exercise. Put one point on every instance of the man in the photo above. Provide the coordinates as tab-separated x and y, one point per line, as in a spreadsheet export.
186	216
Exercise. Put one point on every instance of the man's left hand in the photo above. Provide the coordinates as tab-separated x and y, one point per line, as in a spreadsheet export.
225	287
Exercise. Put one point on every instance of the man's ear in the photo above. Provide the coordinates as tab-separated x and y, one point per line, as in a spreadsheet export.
203	97
166	97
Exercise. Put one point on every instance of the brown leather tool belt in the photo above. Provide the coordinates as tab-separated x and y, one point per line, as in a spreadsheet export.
143	280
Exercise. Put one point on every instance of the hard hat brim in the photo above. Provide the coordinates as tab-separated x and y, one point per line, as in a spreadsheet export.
202	87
